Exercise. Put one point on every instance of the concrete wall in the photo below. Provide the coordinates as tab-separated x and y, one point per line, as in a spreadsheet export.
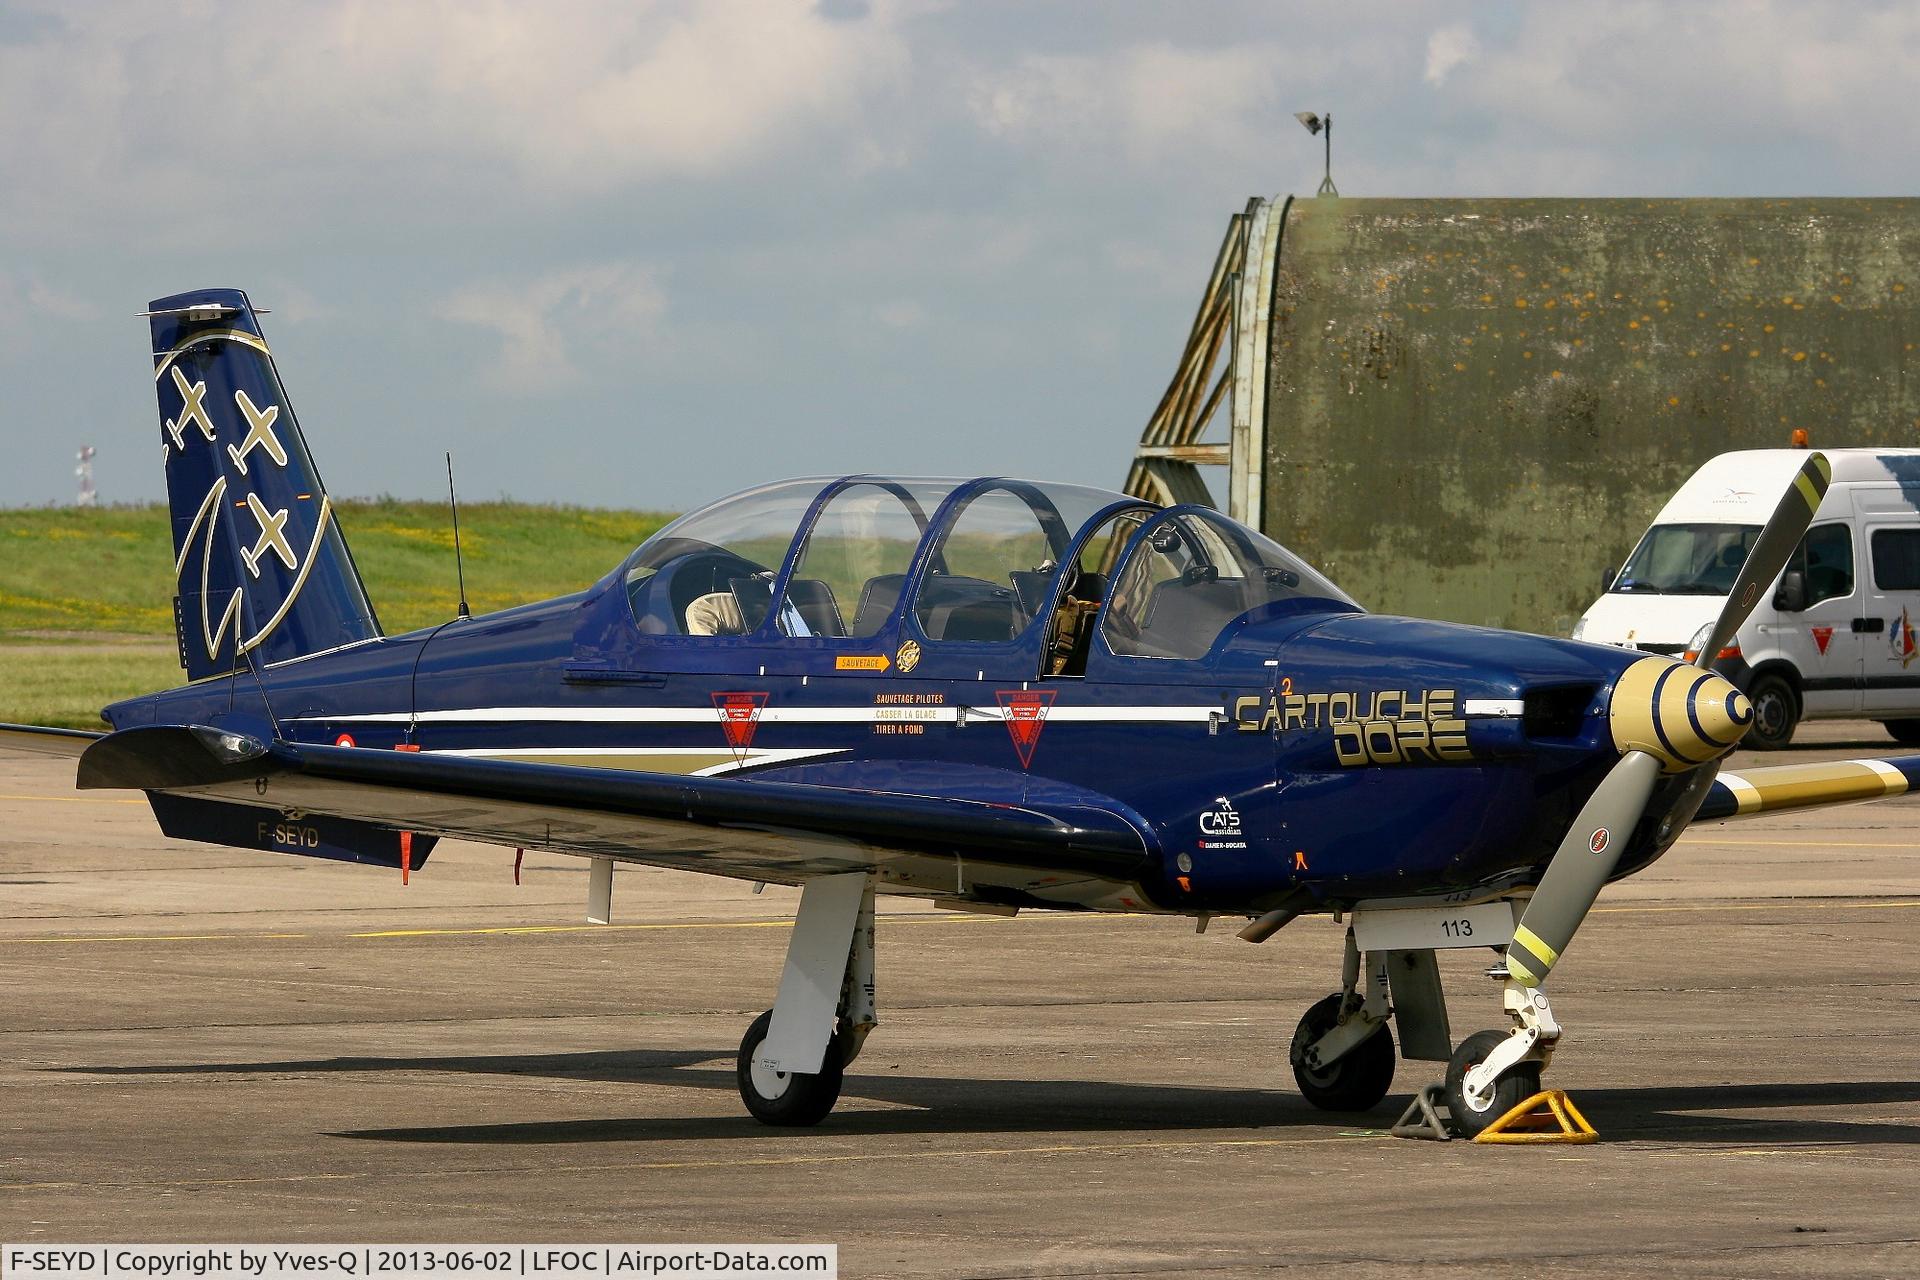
1477	405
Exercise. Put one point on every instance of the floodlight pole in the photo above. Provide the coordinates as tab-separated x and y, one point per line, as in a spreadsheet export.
1326	183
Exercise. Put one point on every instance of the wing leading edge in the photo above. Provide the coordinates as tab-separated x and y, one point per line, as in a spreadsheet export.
41	741
728	826
1749	793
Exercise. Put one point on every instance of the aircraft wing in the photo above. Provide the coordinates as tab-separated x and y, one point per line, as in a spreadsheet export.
1749	793
779	831
40	741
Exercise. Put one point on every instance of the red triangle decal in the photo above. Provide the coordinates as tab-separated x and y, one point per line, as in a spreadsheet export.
739	717
1025	711
1822	636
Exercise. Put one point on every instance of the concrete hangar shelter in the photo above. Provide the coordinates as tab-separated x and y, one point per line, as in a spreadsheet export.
1467	409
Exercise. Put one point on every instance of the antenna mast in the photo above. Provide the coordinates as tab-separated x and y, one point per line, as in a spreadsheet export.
459	562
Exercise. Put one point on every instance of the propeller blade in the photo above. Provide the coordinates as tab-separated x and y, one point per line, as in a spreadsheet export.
1580	866
1769	555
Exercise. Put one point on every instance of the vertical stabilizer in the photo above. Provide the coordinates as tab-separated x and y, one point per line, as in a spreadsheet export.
261	570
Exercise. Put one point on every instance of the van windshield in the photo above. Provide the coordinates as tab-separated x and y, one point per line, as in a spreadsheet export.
1688	559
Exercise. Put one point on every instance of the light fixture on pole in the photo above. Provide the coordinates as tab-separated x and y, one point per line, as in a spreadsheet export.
1315	124
87	497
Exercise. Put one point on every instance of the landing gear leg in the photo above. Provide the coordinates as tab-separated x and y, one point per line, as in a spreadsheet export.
1492	1072
791	1060
1342	1052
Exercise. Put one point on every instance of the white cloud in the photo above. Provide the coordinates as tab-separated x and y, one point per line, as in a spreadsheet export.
547	322
1710	73
900	314
1146	100
230	111
50	300
1448	49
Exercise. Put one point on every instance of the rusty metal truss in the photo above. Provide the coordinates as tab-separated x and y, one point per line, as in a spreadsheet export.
1224	364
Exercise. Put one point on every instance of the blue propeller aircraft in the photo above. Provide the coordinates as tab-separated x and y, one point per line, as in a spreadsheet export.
994	694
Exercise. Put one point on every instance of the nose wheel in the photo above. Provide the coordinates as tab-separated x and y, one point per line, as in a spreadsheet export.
1472	1110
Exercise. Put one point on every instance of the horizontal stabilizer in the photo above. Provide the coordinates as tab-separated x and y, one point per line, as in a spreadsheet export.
1749	793
244	826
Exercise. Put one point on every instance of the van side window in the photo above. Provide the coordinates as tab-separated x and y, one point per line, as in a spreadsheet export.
1896	559
1825	561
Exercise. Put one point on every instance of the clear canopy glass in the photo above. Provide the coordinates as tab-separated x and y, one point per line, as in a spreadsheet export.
834	558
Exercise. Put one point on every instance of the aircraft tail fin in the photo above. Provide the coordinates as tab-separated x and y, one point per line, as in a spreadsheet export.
262	572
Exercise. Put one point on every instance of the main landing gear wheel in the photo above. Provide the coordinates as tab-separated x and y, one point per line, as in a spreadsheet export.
789	1098
1776	712
1354	1082
1509	1091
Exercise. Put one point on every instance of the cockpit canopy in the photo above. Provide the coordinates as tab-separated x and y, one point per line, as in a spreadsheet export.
973	560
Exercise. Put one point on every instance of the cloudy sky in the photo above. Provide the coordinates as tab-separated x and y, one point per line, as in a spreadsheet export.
643	252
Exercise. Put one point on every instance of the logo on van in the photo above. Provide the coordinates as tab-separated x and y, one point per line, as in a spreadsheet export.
1901	639
1822	636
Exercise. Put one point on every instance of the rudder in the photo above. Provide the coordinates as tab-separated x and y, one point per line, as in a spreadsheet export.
260	566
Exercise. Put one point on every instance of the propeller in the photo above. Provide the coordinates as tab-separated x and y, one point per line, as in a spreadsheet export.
1667	717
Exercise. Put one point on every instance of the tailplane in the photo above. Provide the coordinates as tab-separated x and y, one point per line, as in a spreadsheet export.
262	572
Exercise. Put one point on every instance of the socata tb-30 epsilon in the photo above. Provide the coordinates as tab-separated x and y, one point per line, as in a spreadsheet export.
989	693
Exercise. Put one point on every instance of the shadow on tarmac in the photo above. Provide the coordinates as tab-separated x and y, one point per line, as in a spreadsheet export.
944	1105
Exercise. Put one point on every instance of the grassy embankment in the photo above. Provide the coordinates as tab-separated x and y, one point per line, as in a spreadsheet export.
86	612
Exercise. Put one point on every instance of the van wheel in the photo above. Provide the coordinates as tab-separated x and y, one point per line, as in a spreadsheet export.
1776	713
1905	732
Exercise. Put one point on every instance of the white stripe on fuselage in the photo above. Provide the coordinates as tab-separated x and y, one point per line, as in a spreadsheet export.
778	715
645	758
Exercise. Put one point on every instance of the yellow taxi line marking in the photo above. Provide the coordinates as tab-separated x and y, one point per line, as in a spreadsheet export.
1792	904
160	937
1810	844
572	928
1781	904
608	928
479	931
744	1162
71	799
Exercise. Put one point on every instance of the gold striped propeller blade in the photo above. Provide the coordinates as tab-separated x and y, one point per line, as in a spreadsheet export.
1580	866
1658	723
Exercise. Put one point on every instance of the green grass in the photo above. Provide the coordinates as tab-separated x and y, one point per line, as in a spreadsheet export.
73	579
110	569
66	684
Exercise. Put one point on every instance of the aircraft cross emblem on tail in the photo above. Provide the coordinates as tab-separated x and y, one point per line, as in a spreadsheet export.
192	409
272	536
259	432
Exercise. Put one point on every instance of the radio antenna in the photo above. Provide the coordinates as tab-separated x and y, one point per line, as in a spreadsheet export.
459	563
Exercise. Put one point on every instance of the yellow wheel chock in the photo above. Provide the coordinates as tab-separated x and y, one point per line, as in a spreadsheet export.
1548	1116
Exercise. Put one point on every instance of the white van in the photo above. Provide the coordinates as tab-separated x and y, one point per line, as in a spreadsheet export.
1835	635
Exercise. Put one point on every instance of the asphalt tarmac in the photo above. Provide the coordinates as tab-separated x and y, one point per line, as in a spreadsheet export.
204	1044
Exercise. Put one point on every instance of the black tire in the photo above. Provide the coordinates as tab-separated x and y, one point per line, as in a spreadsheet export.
800	1099
1512	1089
1776	713
1905	732
1358	1080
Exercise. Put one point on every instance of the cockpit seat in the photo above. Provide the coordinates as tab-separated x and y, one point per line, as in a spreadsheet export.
995	618
818	609
877	601
1073	625
1187	614
715	614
